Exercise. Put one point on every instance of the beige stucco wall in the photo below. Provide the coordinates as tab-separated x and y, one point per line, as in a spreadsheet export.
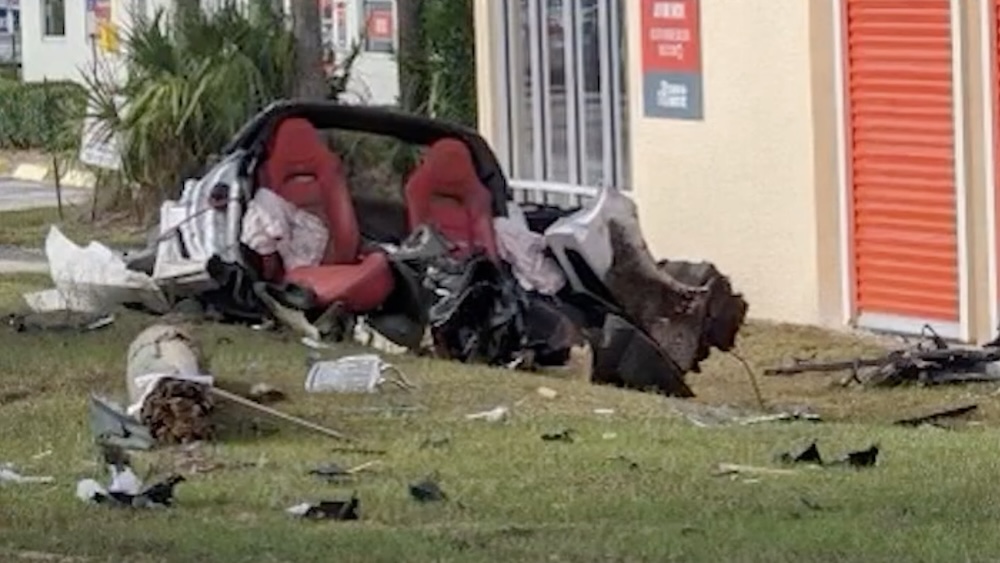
739	188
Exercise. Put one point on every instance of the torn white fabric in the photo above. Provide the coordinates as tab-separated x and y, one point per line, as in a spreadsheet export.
272	224
92	279
524	250
145	384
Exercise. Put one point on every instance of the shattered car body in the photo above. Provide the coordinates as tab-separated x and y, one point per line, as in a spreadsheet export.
437	266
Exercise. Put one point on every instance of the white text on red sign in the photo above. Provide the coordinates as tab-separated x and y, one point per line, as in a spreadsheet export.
669	10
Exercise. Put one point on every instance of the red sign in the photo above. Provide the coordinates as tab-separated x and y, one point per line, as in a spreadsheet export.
671	39
102	10
380	25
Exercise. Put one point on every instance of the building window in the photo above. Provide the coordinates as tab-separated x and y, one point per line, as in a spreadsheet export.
564	111
55	17
334	23
379	25
4	28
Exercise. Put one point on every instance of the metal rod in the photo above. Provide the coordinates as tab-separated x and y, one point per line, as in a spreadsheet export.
278	414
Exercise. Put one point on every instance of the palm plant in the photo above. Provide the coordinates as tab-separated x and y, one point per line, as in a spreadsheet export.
185	85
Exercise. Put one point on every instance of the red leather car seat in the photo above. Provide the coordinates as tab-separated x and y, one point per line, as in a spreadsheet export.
302	170
444	191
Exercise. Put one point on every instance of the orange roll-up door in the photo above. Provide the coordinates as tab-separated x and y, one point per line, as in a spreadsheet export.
901	160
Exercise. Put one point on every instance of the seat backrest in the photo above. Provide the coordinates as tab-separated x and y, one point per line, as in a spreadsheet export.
444	191
301	169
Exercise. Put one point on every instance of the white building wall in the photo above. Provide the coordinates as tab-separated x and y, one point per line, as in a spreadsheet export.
374	80
53	58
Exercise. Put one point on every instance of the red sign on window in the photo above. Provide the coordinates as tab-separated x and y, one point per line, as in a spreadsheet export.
671	38
380	25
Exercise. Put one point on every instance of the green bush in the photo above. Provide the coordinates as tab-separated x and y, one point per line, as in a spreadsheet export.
30	118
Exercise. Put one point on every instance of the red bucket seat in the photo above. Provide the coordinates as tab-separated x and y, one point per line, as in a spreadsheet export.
302	170
444	191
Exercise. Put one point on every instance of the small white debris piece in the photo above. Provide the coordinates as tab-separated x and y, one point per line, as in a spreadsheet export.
547	393
604	412
299	509
609	435
88	490
124	481
314	344
493	415
8	475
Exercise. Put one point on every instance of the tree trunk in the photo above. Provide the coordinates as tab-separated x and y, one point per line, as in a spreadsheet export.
412	57
310	80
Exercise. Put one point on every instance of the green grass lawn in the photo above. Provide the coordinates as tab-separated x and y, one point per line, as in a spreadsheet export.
636	485
28	228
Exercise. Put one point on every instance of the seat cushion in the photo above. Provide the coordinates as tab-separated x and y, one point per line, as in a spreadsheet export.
360	287
445	192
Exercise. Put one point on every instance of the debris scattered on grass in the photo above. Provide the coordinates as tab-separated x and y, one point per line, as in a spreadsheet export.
361	373
782	417
724	469
125	491
111	425
609	436
333	471
934	417
493	415
861	458
329	471
329	509
264	394
9	475
360	451
427	490
604	412
59	321
808	454
931	362
547	392
565	435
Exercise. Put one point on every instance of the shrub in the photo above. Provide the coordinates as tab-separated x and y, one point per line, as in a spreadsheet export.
31	118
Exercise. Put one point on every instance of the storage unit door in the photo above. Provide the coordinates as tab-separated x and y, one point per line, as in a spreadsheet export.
901	164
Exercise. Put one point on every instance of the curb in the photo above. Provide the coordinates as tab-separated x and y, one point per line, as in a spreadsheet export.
72	177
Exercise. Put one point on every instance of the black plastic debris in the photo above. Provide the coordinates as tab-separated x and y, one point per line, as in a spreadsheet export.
807	454
861	458
427	490
329	509
935	417
125	492
565	435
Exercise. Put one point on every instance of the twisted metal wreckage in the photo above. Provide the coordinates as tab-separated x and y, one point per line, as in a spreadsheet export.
272	231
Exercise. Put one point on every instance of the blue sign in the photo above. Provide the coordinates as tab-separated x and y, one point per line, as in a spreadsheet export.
672	95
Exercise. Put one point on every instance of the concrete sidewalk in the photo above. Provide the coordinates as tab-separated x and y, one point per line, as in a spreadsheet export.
18	195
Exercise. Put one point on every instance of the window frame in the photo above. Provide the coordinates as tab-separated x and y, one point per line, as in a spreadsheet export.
49	13
523	42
